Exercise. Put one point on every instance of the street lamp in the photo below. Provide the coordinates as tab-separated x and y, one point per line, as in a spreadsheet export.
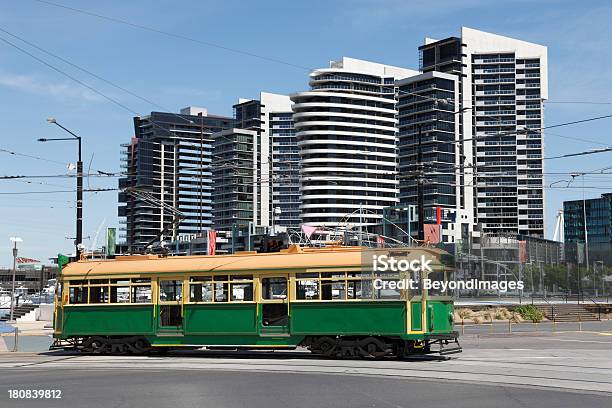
14	240
79	191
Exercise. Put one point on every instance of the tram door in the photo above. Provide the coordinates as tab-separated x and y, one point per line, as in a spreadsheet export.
274	313
170	305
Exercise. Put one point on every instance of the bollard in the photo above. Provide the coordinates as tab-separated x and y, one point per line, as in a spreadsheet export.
509	325
16	340
579	323
462	327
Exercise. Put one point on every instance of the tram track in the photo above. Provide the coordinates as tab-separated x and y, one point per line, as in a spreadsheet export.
587	378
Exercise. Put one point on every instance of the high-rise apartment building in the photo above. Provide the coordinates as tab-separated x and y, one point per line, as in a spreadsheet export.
263	149
168	159
236	189
502	86
429	149
346	128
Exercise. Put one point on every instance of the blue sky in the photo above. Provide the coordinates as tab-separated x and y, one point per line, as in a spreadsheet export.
175	73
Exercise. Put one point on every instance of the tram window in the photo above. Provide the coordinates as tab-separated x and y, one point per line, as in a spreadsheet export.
367	290
120	281
98	281
307	275
170	290
307	289
353	289
387	292
274	288
120	294
141	280
242	292
333	290
195	292
141	294
221	291
98	294
78	295
242	277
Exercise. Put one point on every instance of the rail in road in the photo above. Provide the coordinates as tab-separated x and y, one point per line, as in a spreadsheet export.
562	369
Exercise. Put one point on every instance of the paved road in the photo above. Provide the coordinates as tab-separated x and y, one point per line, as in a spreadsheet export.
544	370
219	389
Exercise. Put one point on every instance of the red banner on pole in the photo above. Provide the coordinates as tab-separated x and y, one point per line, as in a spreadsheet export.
212	242
522	251
438	215
432	233
380	241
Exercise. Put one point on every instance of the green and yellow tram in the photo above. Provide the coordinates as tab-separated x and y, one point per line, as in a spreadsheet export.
325	299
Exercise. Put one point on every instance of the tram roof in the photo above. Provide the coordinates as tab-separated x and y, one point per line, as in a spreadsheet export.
292	258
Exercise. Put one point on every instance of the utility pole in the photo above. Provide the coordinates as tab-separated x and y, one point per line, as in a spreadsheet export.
586	236
79	192
15	251
420	177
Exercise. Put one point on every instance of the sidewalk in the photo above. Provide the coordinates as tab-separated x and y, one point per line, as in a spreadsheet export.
32	336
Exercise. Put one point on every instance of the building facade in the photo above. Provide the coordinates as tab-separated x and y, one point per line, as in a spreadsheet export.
502	85
429	152
285	160
346	128
264	149
597	212
236	188
167	168
278	162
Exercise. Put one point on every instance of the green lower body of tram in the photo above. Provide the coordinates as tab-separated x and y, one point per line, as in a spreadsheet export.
336	329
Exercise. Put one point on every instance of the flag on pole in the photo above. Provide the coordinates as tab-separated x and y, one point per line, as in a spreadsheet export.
380	241
22	260
111	241
522	251
308	230
212	242
432	233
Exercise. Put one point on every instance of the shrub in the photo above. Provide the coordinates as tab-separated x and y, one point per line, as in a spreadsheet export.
530	312
501	313
464	313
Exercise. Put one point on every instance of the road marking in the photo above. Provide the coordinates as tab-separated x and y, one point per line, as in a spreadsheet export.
578	341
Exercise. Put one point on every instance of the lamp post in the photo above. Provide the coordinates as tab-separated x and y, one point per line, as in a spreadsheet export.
14	240
79	191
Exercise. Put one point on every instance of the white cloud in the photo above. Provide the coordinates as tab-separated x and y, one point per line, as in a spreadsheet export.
60	90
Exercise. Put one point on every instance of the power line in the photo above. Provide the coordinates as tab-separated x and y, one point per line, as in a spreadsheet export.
31	156
41	49
169	34
68	76
57	191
